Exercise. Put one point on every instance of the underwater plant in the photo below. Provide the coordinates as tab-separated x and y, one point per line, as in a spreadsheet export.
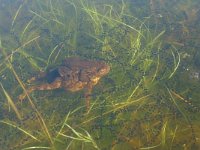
143	103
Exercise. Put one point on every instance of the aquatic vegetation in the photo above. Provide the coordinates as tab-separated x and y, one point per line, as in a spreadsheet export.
145	102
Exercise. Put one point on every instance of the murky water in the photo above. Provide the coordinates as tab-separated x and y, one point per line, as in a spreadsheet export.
147	99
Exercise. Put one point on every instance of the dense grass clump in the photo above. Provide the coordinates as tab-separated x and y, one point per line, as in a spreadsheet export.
147	101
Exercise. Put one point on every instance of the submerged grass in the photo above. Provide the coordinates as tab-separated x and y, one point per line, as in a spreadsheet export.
17	50
11	103
80	137
20	129
40	118
36	147
132	113
99	18
117	107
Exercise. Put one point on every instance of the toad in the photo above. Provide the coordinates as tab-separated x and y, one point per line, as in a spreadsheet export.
74	74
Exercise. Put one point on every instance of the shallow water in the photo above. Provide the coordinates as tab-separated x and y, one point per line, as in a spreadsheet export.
148	100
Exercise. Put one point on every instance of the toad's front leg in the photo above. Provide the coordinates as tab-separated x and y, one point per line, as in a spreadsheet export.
88	96
46	86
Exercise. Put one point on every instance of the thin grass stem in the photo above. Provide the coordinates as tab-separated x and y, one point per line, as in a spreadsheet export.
18	49
37	147
11	103
176	64
20	129
16	14
118	107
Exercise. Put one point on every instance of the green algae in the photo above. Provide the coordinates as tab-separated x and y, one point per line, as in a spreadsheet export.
145	102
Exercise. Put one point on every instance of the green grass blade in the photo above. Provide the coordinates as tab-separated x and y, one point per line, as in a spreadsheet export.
11	103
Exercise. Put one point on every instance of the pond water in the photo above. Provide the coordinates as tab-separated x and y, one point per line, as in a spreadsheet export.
106	75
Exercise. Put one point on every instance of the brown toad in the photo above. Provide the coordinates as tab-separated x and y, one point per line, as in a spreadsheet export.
73	74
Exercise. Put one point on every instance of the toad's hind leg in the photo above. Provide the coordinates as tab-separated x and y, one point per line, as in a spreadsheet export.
41	75
50	76
54	85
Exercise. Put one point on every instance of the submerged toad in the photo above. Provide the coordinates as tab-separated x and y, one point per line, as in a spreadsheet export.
73	74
